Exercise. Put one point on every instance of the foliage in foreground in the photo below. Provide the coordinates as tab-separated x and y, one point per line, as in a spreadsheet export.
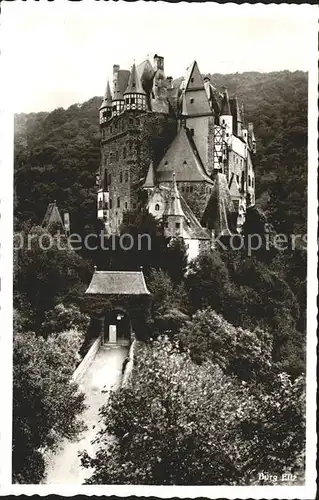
181	423
46	404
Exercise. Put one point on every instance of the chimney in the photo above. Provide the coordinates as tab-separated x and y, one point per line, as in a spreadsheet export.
158	62
116	69
170	84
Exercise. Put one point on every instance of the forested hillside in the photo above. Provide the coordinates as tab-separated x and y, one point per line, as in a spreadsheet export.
57	154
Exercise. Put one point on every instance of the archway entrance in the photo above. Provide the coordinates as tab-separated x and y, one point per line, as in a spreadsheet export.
117	327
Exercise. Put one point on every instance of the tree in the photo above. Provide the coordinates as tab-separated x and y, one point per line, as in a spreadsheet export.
46	277
175	261
46	405
165	296
61	319
207	282
183	424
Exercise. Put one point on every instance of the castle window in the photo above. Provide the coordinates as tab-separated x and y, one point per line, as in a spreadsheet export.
111	203
177	225
187	189
166	163
191	100
249	180
118	202
252	182
183	188
192	132
126	205
132	100
157	207
100	205
127	100
126	176
121	177
124	152
104	114
192	80
185	162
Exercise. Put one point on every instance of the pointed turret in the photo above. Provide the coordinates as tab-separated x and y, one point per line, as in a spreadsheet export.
225	107
150	178
135	95
134	84
226	119
174	206
106	106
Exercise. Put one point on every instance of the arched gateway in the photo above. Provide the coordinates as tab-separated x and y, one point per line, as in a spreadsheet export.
118	303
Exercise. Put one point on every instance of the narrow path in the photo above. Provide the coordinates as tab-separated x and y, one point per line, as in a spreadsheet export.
104	373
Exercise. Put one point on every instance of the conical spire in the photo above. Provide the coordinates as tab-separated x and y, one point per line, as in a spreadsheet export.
243	114
107	99
150	178
174	203
134	84
225	107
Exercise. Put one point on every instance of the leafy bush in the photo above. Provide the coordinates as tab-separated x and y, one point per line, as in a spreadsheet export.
184	424
62	318
46	404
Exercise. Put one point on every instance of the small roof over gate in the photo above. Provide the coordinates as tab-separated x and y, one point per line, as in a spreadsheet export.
118	283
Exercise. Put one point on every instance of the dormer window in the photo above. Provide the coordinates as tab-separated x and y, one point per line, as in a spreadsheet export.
192	80
157	207
191	100
177	225
166	163
185	162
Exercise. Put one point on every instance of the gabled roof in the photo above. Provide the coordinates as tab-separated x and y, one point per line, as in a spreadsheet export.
183	159
117	283
52	219
150	177
134	84
219	208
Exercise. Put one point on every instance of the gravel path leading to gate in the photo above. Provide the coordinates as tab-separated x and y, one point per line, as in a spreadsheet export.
104	373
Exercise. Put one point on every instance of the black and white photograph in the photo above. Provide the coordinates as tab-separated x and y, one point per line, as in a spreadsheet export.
158	249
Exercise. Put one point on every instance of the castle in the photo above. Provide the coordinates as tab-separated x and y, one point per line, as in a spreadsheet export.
182	151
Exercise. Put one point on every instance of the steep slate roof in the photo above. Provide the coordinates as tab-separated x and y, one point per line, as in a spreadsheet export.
173	205
53	218
121	85
195	230
225	106
117	283
220	207
145	73
180	151
134	84
107	100
150	178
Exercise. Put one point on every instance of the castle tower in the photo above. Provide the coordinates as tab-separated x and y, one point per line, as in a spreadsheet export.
106	106
226	119
197	115
134	95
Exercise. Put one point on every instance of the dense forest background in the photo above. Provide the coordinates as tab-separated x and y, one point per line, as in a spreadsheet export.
57	153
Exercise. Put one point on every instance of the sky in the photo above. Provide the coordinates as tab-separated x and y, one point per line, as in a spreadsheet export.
59	53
